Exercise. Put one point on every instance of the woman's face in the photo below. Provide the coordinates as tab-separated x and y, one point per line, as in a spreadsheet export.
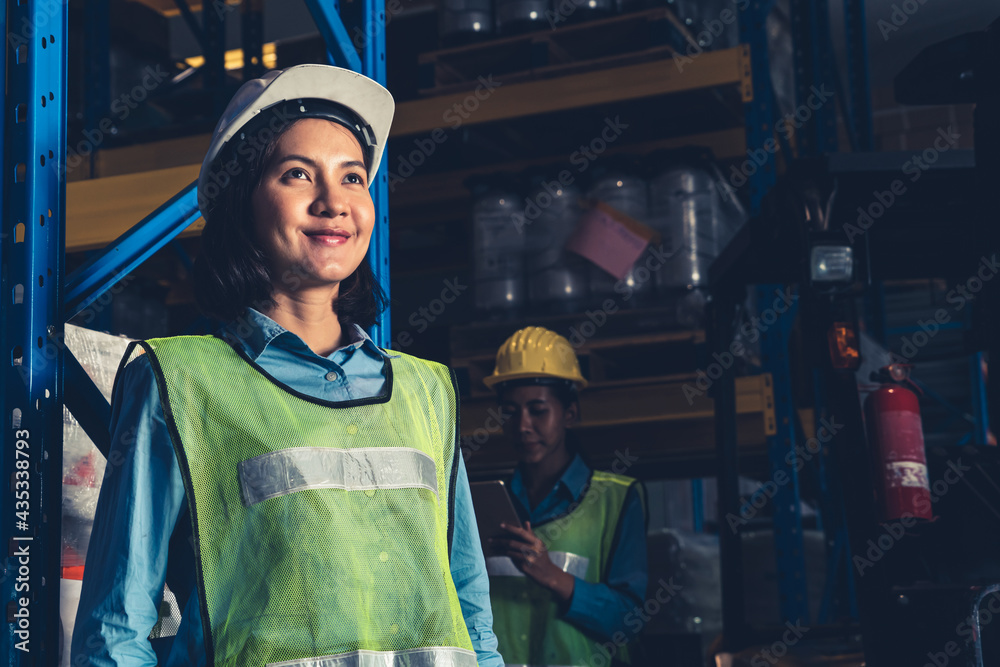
313	214
535	422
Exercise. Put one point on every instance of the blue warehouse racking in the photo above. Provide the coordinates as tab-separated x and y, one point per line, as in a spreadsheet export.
38	298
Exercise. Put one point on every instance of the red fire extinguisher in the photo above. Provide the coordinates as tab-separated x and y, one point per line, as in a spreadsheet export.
896	437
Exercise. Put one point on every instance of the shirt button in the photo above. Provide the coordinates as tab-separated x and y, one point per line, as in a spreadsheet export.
383	556
352	428
370	493
331	376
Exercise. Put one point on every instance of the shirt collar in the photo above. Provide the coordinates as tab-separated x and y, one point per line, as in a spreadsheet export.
576	476
255	331
573	481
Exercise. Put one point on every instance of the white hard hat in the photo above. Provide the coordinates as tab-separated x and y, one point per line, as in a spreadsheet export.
307	91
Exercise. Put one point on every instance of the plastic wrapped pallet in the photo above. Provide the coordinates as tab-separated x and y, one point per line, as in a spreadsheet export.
83	465
690	562
83	468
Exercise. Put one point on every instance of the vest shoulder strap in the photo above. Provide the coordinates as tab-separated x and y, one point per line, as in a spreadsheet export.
602	476
433	367
444	378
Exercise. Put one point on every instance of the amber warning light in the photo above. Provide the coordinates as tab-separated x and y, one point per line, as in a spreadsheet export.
844	346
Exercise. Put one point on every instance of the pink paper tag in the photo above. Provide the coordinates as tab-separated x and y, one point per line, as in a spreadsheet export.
607	243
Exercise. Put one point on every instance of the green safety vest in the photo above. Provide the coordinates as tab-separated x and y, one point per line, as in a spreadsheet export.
321	529
525	619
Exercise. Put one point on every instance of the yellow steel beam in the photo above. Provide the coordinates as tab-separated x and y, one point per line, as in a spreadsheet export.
659	77
169	7
180	152
653	447
100	210
652	417
645	400
725	144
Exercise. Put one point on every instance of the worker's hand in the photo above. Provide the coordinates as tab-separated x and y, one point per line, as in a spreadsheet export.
530	556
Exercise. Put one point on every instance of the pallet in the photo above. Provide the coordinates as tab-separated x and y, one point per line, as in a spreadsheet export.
642	36
646	395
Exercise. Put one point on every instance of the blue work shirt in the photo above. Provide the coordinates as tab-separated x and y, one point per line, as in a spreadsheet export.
603	608
142	511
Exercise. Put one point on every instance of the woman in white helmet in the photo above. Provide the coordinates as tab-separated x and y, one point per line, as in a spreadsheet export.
568	586
297	487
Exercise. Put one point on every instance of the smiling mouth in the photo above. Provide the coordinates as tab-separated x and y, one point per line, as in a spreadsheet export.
329	236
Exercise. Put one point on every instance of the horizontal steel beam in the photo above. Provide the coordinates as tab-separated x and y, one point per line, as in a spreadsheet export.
90	281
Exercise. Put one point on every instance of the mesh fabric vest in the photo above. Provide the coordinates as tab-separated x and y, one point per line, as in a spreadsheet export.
313	534
525	616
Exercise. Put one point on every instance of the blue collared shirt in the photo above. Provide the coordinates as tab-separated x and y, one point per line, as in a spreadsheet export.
142	518
607	607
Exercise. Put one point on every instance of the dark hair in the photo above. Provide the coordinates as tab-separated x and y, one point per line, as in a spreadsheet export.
563	390
231	271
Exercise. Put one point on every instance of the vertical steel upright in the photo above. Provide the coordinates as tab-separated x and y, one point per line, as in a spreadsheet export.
369	36
839	599
213	28
760	112
856	34
789	550
722	308
697	505
373	66
32	309
813	69
252	31
96	67
979	395
33	195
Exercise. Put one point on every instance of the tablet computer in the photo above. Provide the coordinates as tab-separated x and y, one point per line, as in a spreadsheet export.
493	506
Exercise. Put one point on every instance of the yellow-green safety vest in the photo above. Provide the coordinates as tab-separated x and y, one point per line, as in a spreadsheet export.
321	529
528	628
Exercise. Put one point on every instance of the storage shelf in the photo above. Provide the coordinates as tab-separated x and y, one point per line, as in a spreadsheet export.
651	419
626	328
727	68
448	187
100	209
643	394
622	39
724	68
607	363
134	180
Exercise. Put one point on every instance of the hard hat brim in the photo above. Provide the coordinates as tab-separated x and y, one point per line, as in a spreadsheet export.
362	95
493	380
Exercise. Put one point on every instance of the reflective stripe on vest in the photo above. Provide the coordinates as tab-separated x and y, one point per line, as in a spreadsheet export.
363	469
436	656
503	566
359	563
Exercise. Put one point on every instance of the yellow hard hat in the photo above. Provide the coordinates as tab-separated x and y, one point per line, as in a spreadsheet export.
536	352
